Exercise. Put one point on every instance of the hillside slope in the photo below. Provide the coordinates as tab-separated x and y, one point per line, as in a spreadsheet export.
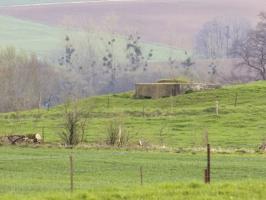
29	36
179	121
172	22
47	40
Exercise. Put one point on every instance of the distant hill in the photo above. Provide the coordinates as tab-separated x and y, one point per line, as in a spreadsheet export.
45	40
172	22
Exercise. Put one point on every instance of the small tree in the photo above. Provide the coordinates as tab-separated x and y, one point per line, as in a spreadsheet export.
135	54
187	65
109	63
74	126
66	59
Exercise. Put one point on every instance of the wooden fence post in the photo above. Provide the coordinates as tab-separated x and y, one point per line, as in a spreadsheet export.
172	103
141	175
208	163
108	101
236	97
71	172
217	108
42	134
205	176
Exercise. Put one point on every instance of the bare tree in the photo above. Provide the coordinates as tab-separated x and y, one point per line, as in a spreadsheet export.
135	54
217	37
97	62
25	81
79	61
74	125
252	51
110	63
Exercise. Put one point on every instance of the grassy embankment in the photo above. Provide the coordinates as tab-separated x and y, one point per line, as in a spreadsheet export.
183	119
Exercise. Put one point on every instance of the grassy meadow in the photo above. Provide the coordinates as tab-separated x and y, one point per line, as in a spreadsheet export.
177	191
175	122
173	130
40	172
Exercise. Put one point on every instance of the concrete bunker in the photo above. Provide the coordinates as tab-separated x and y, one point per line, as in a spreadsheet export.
167	88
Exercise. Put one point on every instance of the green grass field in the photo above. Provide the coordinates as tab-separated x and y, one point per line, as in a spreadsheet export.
46	40
184	119
191	191
42	172
30	172
29	36
100	174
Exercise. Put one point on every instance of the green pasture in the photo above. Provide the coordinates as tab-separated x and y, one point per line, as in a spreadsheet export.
33	170
29	36
176	191
177	122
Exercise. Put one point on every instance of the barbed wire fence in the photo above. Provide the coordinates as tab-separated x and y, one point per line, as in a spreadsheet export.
69	171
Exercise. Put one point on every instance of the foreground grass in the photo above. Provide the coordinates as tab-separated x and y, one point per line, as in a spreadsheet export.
196	191
179	121
33	170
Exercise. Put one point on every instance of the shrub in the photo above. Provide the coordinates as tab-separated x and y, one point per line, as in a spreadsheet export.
74	126
116	134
